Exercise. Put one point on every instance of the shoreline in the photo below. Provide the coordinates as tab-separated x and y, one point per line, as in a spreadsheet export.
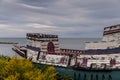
8	43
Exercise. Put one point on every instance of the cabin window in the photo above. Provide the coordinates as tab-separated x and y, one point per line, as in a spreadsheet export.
103	77
85	76
79	76
96	77
74	76
109	78
91	77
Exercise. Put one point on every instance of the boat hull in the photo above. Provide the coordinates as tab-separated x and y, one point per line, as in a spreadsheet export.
83	73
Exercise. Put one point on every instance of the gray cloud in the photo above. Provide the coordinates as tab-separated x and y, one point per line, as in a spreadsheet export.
67	18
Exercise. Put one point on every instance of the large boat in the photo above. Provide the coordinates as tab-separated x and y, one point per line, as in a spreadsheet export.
99	61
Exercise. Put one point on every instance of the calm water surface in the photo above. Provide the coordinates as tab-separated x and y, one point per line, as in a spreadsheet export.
69	43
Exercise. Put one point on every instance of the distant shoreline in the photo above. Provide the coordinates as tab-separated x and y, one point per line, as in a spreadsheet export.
8	43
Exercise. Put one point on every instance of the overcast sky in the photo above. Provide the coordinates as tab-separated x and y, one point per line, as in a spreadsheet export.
66	18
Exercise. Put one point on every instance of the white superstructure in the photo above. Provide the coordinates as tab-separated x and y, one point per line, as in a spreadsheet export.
44	48
111	39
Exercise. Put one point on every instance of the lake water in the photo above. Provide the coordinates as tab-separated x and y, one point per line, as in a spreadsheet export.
69	43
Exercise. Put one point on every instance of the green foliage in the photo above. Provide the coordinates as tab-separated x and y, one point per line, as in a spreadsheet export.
23	69
4	57
41	67
47	75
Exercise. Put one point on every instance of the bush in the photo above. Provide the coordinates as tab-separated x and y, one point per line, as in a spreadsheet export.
23	69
